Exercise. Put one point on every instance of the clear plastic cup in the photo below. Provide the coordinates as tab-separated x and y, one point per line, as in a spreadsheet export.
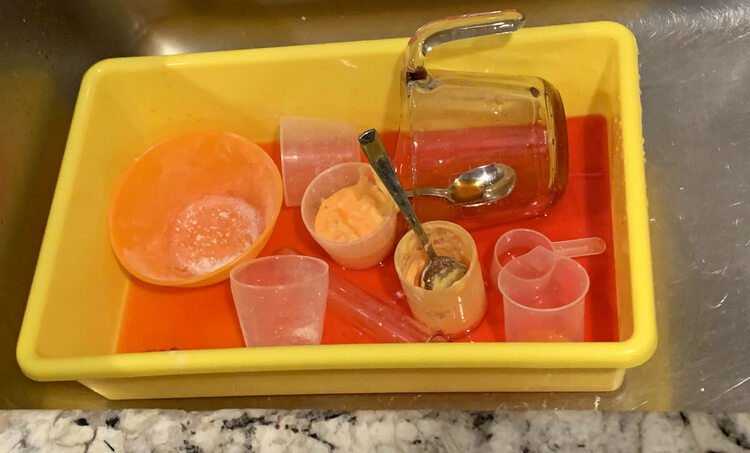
361	253
452	311
281	299
543	297
309	146
519	241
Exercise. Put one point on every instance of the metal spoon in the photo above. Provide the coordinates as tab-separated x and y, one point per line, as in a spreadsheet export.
475	187
440	271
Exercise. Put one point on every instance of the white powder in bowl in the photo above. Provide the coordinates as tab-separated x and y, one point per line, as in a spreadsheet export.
212	231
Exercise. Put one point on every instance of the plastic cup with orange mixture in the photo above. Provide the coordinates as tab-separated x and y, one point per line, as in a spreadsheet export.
452	311
350	215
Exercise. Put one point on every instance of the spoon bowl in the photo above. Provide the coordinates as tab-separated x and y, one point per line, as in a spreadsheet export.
482	185
441	272
475	187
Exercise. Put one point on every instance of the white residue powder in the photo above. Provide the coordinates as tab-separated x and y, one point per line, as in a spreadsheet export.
212	231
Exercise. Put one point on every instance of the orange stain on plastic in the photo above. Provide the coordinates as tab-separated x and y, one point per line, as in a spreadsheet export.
159	318
223	180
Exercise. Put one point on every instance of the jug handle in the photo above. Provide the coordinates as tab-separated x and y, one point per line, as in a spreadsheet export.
453	28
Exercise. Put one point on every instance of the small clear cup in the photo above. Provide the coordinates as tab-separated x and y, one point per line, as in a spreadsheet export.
309	146
543	297
281	299
453	311
361	253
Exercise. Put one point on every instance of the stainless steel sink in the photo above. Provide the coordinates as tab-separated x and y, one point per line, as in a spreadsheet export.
695	69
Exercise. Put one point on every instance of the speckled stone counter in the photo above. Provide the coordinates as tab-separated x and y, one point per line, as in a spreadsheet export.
407	431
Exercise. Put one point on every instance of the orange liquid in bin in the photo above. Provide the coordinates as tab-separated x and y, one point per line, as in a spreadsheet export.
204	318
192	206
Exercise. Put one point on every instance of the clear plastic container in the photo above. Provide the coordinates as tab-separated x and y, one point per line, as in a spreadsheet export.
281	299
361	253
452	311
543	297
309	146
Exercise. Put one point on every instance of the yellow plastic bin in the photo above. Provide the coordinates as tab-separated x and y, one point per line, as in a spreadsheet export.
125	105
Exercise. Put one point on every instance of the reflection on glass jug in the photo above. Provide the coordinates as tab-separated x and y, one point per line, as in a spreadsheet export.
454	121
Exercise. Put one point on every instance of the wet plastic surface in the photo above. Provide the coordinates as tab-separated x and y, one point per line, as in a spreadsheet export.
156	319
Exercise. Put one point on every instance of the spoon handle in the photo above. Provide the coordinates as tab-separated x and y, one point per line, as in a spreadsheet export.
375	152
430	192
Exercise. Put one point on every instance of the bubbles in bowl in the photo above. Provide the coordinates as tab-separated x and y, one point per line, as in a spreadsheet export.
212	231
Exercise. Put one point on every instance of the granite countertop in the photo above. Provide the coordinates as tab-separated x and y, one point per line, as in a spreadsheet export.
386	431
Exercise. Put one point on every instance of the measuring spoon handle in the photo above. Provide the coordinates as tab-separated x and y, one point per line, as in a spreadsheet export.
580	247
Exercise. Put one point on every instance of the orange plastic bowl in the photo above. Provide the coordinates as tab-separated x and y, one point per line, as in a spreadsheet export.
191	207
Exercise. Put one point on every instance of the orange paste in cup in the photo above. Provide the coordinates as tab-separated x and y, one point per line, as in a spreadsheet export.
354	211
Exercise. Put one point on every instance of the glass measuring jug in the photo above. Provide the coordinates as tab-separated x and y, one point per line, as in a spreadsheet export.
453	121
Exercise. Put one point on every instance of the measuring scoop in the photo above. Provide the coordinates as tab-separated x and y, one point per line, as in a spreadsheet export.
520	241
